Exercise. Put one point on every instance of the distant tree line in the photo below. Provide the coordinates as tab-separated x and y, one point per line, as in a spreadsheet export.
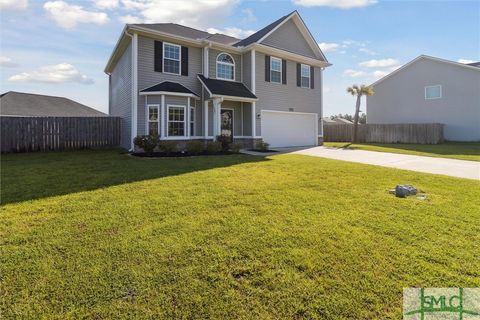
361	119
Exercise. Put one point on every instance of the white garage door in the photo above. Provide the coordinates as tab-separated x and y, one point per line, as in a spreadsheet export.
289	129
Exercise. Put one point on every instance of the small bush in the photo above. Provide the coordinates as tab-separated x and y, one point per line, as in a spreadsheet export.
225	141
235	147
147	143
195	147
213	147
263	146
167	146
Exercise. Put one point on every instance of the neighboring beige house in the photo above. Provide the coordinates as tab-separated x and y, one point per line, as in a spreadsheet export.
327	121
430	90
182	84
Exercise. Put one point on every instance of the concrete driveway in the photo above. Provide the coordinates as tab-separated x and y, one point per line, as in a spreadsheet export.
449	167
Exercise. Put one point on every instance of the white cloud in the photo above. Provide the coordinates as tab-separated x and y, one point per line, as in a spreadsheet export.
354	73
68	16
232	31
60	73
13	4
380	73
381	63
200	14
7	62
106	4
367	51
465	61
328	47
249	16
130	19
343	4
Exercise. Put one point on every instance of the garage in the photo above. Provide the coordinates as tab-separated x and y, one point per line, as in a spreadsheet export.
289	129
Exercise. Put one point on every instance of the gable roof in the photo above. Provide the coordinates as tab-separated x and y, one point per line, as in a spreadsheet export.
226	88
262	32
458	64
475	64
169	86
29	104
175	29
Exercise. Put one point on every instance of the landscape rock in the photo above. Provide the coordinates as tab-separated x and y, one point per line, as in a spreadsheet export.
405	190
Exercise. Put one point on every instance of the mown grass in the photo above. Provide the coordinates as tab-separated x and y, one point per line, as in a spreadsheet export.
453	150
104	235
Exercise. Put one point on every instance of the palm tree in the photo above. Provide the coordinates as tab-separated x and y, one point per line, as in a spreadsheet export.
358	91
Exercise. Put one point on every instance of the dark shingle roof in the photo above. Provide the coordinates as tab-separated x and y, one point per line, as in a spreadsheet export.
474	64
168	86
28	104
223	38
261	33
175	29
226	88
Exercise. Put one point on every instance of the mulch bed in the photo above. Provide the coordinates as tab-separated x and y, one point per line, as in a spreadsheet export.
178	154
263	151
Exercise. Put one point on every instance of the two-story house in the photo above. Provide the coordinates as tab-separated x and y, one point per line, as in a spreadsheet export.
183	84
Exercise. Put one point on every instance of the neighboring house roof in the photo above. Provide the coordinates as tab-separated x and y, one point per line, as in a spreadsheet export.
168	87
458	64
28	104
342	121
223	88
328	120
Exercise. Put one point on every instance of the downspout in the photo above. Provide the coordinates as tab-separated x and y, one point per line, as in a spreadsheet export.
134	124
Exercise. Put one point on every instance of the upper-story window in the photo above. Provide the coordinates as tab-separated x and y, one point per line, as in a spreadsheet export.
225	67
305	76
275	70
171	58
433	92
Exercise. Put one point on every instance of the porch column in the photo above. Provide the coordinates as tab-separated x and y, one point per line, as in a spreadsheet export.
253	120
162	116
217	104
205	120
187	118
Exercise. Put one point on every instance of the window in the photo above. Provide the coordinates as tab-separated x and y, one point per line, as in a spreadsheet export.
305	76
176	121
225	67
433	92
153	124
171	58
275	70
192	121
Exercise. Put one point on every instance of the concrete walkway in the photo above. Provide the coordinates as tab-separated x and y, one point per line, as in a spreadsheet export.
449	167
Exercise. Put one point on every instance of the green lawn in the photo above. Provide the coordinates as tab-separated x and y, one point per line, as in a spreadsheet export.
453	150
103	235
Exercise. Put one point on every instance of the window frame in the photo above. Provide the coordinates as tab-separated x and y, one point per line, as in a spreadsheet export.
179	58
224	63
176	121
433	86
302	76
156	106
271	69
192	117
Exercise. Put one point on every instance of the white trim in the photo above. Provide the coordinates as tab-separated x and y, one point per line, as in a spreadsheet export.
233	98
162	116
169	93
281	71
458	64
179	58
241	116
309	75
190	121
184	120
252	64
205	61
288	55
433	86
290	112
205	120
134	123
155	105
224	63
187	118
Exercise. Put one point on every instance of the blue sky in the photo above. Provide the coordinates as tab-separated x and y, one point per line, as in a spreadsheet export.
61	47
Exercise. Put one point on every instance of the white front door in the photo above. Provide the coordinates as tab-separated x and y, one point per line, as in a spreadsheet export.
289	129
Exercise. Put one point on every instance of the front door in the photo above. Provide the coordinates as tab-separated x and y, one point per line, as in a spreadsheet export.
226	128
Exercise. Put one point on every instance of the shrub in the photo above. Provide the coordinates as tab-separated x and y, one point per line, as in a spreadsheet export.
147	143
195	147
167	146
213	147
235	147
263	146
225	141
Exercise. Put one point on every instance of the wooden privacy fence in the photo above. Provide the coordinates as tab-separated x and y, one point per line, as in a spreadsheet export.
23	134
422	133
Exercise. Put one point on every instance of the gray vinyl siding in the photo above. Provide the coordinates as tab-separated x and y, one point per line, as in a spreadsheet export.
401	99
147	77
120	88
289	38
247	119
212	64
282	97
247	70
